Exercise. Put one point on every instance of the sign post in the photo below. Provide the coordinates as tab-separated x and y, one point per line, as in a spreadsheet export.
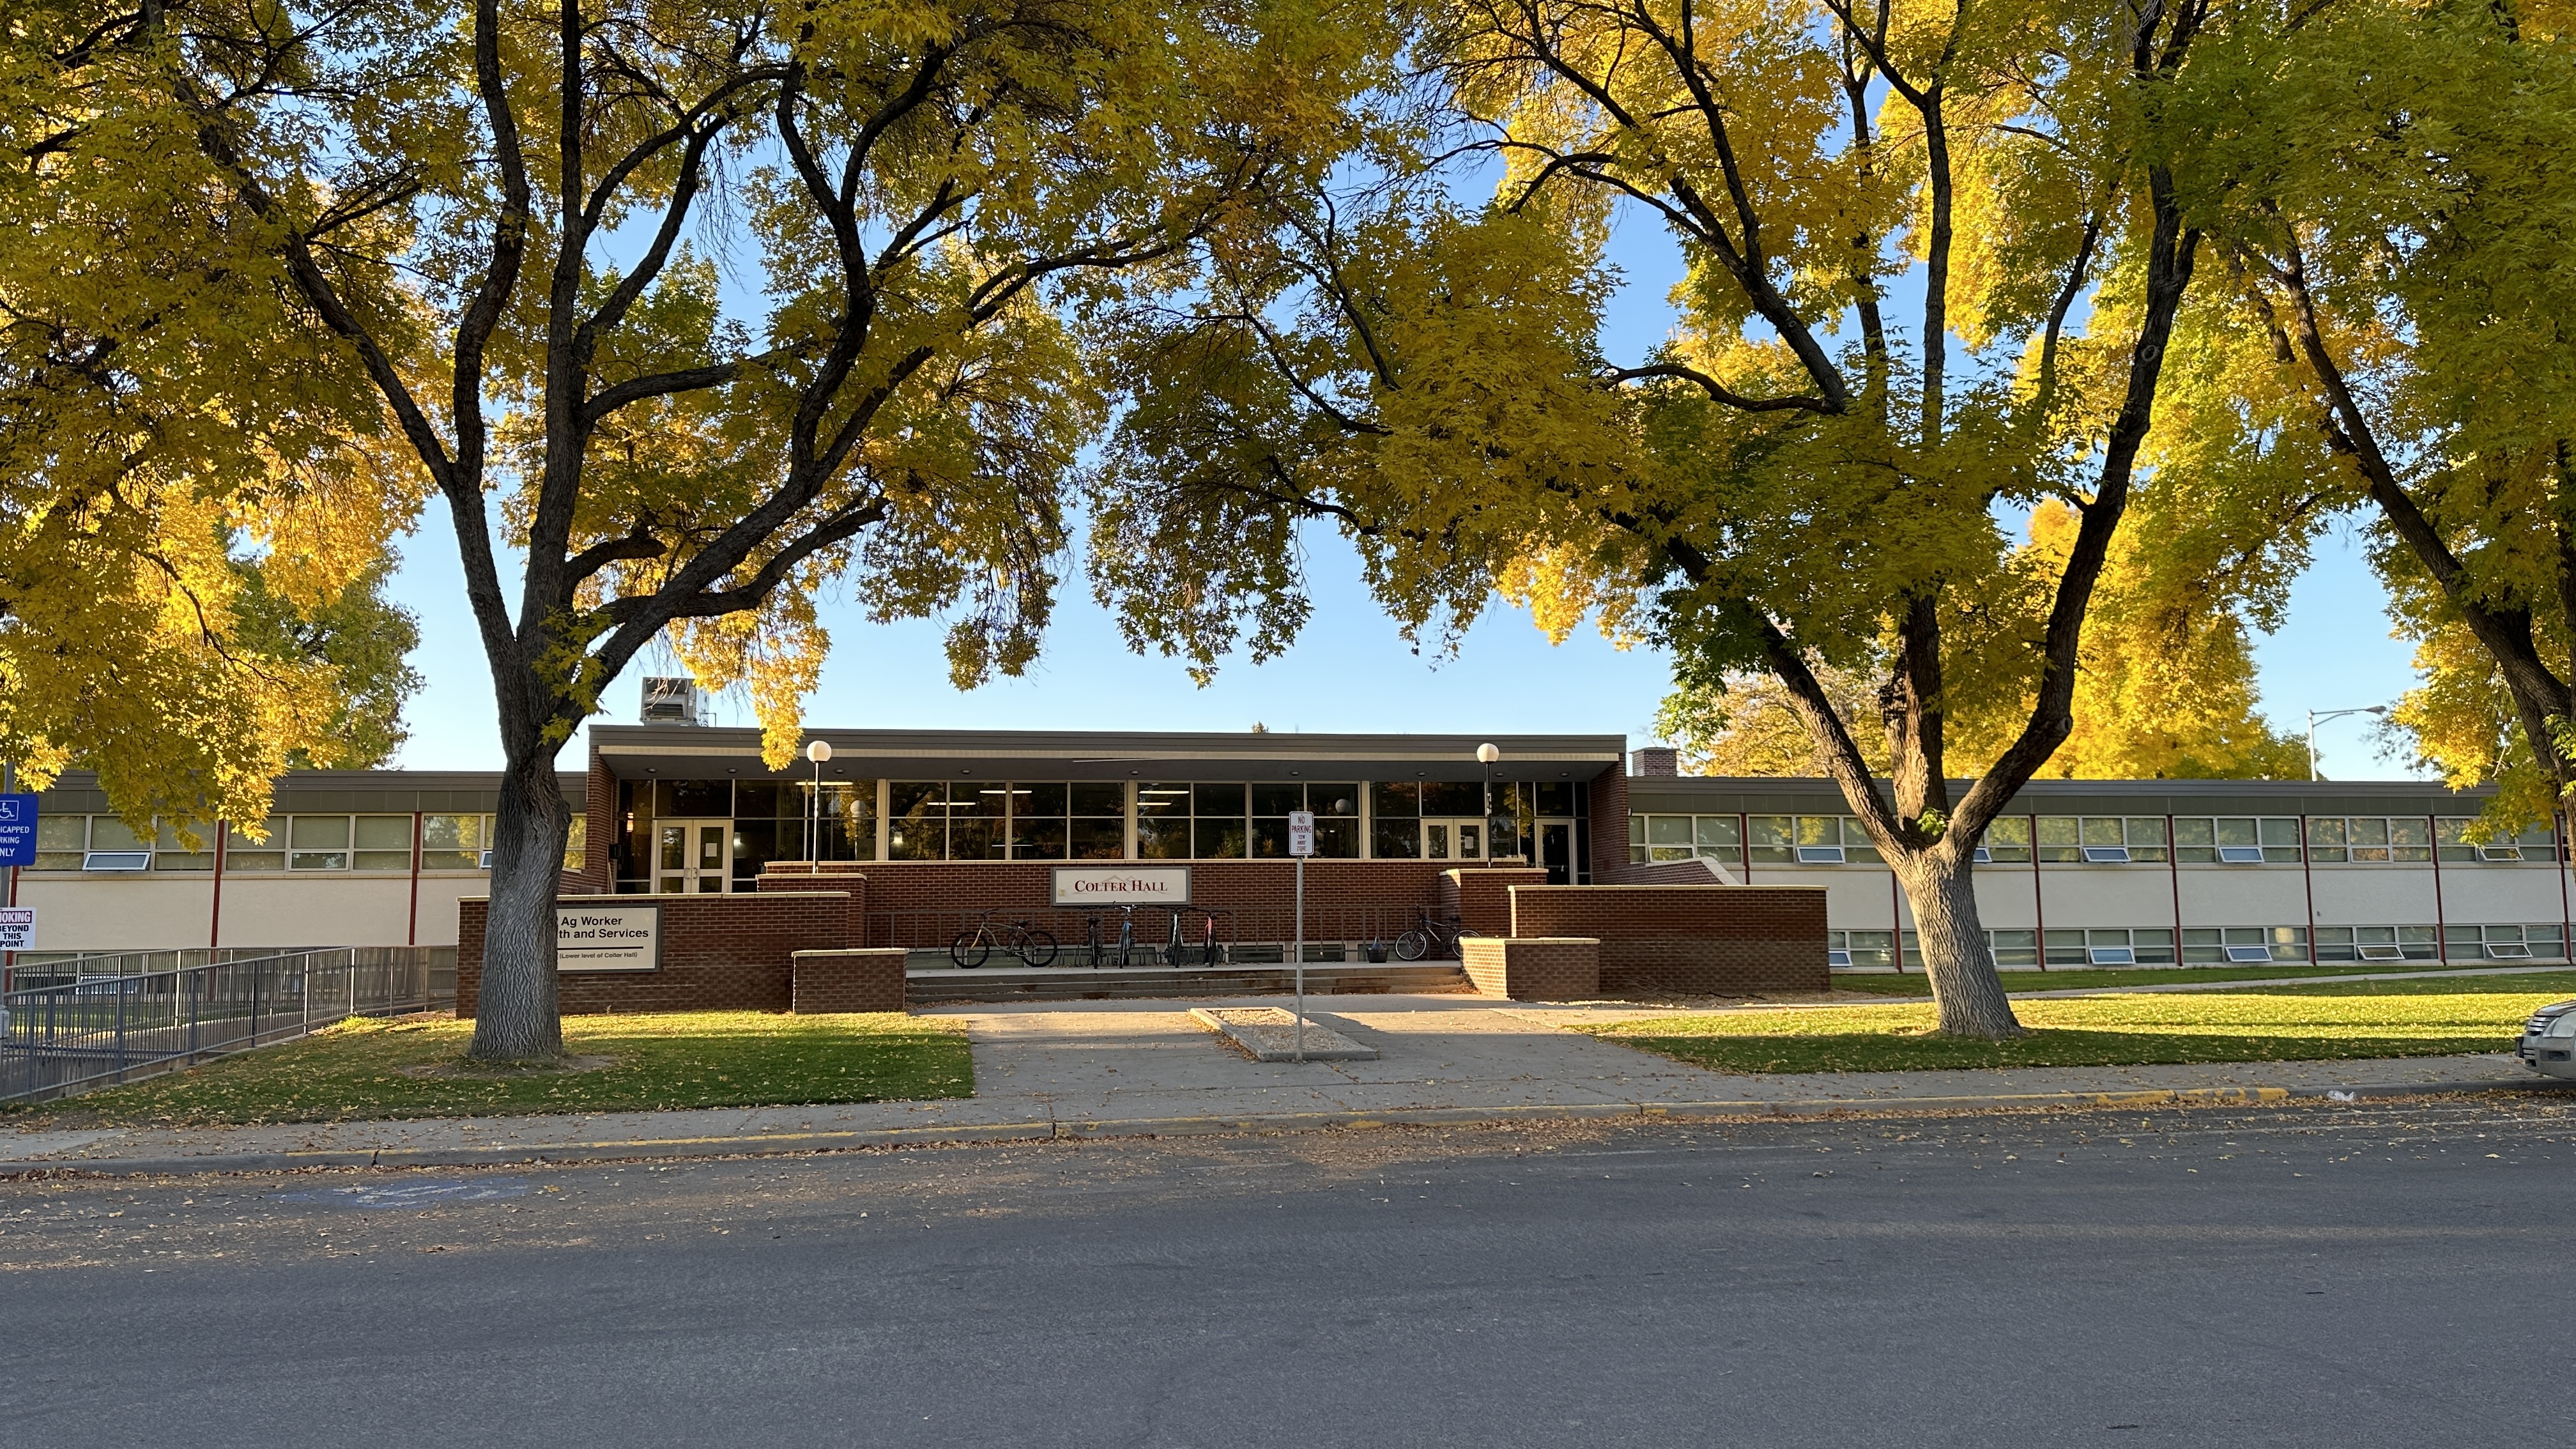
17	848
1301	843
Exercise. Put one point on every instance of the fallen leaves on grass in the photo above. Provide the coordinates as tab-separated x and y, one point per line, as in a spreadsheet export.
2287	1024
363	1069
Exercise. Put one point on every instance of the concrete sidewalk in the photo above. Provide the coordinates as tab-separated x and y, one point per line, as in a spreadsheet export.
1109	1068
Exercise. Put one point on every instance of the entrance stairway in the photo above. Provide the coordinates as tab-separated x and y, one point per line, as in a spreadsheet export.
949	986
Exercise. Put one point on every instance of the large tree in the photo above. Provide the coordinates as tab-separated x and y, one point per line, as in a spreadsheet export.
177	473
517	221
2391	186
1934	259
2164	680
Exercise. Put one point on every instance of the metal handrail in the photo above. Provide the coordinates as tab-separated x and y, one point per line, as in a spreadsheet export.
70	1036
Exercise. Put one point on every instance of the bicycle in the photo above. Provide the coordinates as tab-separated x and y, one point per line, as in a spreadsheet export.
1414	944
1126	937
973	948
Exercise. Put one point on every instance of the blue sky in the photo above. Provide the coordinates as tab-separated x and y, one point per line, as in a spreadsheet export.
1349	671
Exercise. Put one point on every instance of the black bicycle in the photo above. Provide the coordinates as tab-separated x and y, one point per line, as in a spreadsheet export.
1115	951
973	948
1414	944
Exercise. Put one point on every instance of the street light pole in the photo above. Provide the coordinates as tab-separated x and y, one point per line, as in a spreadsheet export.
1486	754
2315	715
818	752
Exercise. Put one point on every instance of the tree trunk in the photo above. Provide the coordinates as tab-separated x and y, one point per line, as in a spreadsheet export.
1940	884
515	1014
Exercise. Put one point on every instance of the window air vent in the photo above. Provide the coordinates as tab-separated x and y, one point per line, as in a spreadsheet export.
670	701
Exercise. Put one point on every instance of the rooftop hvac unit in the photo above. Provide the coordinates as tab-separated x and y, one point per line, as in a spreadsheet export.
671	701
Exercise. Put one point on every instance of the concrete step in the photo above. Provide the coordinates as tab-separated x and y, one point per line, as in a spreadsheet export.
1078	983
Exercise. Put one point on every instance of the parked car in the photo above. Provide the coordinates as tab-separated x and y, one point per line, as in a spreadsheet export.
2548	1042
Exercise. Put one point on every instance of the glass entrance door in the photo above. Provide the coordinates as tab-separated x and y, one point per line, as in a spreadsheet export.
692	857
1556	850
1453	839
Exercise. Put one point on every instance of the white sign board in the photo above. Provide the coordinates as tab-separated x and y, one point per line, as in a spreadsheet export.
17	928
1122	885
1301	832
608	938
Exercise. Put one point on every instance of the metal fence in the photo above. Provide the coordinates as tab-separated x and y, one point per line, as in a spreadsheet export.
108	1026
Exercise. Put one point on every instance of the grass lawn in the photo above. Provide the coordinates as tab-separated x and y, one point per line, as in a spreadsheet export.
1914	983
2279	1024
366	1068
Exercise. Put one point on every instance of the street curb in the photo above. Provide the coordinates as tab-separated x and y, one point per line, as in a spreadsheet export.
802	1143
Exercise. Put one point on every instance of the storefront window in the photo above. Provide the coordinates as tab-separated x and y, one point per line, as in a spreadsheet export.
1098	830
1395	820
1162	822
917	820
1337	822
975	820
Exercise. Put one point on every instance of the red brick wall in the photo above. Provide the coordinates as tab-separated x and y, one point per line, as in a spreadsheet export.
1533	970
860	980
836	875
1609	822
600	809
1716	940
719	953
923	904
1479	898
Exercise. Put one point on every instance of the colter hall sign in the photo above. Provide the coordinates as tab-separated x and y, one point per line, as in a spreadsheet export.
1122	885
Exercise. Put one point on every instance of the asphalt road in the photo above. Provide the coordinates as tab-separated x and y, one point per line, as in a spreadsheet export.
2345	1276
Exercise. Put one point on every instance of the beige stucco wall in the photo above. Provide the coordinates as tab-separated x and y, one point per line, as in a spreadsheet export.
159	911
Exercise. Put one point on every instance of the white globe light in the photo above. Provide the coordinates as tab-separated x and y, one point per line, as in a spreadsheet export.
818	752
1487	754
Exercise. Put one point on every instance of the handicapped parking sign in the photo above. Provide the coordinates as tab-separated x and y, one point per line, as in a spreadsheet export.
17	830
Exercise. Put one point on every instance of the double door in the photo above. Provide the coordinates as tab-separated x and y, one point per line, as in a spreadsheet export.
692	857
1453	839
1472	839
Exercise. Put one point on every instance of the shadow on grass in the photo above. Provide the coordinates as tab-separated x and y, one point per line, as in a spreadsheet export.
374	1069
1884	1051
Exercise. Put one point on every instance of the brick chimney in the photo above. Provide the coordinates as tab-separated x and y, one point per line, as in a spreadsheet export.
1655	760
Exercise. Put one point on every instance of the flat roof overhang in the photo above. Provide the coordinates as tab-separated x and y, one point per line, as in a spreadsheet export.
632	752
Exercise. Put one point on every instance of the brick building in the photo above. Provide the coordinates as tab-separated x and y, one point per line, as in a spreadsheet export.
931	826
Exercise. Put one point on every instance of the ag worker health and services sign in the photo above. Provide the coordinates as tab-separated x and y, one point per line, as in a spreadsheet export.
608	938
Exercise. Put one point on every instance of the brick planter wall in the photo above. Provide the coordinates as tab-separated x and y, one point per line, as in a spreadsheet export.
719	953
1525	969
836	875
1480	896
860	979
1713	940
